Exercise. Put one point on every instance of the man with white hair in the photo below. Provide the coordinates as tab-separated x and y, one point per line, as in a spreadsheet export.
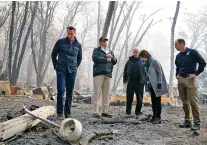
134	77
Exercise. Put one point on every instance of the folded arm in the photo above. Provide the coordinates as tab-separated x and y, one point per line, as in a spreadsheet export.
98	59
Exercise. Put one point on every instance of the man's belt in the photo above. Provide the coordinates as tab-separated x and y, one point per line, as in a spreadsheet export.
184	75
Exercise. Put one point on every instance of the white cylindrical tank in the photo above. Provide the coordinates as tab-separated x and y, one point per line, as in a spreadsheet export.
71	129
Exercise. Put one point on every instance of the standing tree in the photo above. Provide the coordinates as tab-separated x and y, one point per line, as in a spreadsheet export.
17	46
198	37
11	39
108	18
172	50
139	35
40	51
73	9
98	22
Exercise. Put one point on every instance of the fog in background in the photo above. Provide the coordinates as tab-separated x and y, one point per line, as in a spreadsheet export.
157	38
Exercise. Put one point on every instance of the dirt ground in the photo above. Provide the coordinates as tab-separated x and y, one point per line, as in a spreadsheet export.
168	133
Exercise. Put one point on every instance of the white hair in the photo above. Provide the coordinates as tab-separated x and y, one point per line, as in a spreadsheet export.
136	48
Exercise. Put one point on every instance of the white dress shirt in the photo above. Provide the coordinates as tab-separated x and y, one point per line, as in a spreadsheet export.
105	50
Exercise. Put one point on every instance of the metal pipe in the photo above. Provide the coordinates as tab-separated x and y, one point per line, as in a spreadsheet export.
42	119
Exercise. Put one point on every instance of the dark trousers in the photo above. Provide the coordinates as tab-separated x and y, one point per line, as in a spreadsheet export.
141	88
65	81
156	104
137	88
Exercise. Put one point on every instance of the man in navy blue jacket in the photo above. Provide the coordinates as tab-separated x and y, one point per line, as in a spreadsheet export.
186	73
69	52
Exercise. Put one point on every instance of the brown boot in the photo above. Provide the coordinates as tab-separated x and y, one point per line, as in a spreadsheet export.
106	115
96	115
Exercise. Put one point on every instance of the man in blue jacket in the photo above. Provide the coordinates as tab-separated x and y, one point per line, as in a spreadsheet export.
69	52
104	61
186	73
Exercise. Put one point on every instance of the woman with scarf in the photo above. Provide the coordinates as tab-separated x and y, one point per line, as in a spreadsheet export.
156	84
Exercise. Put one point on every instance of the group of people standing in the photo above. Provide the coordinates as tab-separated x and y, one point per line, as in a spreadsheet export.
143	70
140	70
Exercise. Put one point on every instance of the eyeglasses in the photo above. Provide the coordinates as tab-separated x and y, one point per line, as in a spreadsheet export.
136	52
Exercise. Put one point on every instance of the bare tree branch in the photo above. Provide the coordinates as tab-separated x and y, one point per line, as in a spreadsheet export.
5	14
117	70
122	25
114	26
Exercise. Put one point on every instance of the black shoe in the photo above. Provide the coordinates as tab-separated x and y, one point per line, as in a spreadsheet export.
60	116
138	113
106	115
96	115
157	121
152	119
128	112
195	127
186	124
67	116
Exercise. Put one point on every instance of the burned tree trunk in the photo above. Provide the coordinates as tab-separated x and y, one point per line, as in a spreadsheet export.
11	40
172	50
41	56
98	22
108	18
16	58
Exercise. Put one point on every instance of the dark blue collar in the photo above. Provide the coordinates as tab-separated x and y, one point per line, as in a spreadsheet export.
74	41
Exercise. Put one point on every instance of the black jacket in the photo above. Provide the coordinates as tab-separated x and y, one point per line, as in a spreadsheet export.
69	55
186	63
128	70
101	66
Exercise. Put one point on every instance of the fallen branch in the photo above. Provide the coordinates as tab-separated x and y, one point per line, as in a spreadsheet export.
116	121
106	137
146	118
129	130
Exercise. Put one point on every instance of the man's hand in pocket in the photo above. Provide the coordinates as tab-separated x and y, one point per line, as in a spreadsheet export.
191	76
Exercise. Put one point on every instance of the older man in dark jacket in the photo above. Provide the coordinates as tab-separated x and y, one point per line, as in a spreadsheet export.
69	52
104	61
135	76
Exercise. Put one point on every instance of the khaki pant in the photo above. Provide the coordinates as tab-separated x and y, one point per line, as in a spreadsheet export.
101	85
189	96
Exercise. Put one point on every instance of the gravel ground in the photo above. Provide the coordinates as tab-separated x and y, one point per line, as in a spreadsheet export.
168	133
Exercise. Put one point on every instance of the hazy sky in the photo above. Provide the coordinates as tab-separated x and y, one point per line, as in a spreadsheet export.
157	39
